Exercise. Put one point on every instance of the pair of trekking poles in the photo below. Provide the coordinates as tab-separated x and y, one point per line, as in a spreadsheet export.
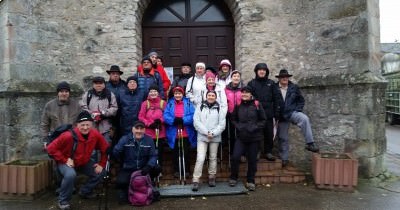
181	151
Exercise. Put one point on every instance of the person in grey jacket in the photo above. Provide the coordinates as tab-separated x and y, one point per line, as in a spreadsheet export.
102	104
59	111
209	121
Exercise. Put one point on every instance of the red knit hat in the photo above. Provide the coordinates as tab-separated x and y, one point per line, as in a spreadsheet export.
179	89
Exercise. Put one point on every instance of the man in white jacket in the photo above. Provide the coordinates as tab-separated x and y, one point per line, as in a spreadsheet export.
209	121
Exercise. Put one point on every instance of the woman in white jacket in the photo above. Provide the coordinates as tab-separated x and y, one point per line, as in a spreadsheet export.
196	84
209	121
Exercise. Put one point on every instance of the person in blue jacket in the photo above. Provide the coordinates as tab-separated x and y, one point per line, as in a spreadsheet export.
129	101
135	151
178	114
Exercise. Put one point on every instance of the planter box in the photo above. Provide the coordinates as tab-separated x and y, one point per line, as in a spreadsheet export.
24	179
335	171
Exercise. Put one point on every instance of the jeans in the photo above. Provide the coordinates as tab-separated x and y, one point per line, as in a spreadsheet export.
69	175
202	147
250	149
302	121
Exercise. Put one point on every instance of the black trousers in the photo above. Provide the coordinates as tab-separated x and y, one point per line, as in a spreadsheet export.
186	151
268	136
160	150
249	149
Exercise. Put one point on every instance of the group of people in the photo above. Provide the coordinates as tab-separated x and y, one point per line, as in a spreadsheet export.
138	117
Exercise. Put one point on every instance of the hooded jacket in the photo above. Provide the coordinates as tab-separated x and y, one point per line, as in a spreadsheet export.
151	110
249	121
129	105
209	119
233	96
264	90
194	88
145	80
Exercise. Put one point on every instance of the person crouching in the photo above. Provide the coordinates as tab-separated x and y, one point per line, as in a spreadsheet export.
209	122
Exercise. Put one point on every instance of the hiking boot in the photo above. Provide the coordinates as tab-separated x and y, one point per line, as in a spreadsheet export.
251	186
64	205
285	163
211	181
87	195
270	157
195	187
312	147
232	182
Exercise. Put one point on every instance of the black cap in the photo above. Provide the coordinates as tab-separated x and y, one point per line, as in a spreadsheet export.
138	124
186	64
63	86
153	87
114	68
246	89
146	58
84	116
98	79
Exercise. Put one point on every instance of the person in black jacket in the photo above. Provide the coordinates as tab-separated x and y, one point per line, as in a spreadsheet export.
292	103
265	92
249	120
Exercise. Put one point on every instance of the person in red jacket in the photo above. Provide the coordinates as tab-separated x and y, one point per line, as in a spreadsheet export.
70	161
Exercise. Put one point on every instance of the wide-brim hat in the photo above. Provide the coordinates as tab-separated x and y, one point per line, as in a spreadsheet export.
283	73
114	68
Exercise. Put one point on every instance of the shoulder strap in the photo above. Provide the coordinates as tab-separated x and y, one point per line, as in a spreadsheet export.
88	98
90	94
161	104
148	104
191	84
75	145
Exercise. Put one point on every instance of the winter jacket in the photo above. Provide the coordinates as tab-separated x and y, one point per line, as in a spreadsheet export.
60	149
116	88
57	113
233	96
171	129
151	110
294	101
194	89
164	77
181	81
221	98
209	119
129	105
100	103
145	80
264	90
249	121
224	82
135	154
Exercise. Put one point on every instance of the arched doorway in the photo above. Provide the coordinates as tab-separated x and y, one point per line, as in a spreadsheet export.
189	31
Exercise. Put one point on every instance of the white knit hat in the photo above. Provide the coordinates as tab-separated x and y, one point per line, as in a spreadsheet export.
200	64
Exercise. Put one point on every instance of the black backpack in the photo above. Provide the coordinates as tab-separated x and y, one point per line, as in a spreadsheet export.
58	131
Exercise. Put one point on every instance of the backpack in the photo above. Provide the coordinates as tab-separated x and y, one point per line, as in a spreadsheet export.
140	189
58	131
148	104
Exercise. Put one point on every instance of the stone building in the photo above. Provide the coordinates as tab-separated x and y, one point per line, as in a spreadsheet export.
331	47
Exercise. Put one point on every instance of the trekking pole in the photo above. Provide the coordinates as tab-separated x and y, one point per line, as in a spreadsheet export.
179	157
106	179
158	152
183	158
220	160
229	144
275	131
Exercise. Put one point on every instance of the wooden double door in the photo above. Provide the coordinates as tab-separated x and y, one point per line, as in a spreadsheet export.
189	31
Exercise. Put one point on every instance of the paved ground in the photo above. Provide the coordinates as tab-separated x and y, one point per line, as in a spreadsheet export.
367	196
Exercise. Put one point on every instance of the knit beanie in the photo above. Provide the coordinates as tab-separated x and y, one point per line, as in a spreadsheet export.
84	116
63	86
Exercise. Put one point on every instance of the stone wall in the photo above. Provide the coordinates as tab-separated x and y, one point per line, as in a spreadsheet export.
331	47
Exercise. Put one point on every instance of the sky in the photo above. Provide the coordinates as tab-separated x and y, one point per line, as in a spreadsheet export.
389	20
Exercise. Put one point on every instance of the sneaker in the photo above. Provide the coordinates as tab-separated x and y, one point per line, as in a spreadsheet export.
211	181
270	157
232	182
195	187
64	205
312	147
87	195
251	186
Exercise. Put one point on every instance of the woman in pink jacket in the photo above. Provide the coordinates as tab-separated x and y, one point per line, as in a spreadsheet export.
151	114
233	96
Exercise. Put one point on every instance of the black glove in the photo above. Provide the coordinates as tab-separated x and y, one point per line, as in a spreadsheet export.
178	121
153	125
158	121
145	170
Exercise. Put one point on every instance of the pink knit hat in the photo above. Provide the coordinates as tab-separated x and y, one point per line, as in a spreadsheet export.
209	74
225	62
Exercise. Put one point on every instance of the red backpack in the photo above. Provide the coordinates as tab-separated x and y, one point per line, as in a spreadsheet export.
140	189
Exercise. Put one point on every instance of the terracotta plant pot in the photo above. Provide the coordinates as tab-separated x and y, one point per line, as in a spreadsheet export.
24	179
336	171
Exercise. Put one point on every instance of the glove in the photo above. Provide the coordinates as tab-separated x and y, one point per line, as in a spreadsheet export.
158	121
178	121
145	170
153	125
96	115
